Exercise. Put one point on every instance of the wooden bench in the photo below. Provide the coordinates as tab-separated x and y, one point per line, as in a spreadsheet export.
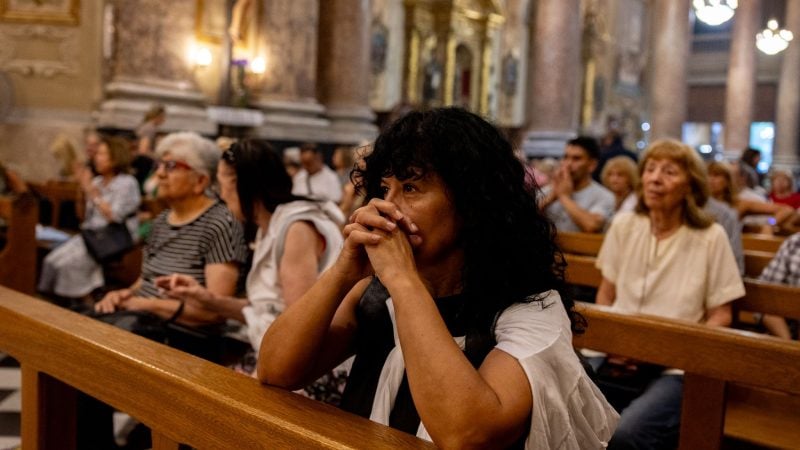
18	256
57	193
761	242
755	261
760	296
580	243
588	244
183	399
743	384
756	415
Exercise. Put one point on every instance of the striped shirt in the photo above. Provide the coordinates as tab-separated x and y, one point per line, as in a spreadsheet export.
212	238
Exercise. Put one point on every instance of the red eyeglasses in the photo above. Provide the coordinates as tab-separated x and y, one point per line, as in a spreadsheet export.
171	165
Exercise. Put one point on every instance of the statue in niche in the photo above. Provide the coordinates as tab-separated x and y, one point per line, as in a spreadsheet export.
240	19
379	48
510	74
432	81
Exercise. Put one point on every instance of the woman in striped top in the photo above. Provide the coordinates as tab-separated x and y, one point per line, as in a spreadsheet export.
196	236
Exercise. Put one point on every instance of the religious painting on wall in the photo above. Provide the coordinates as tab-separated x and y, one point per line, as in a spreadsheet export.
61	12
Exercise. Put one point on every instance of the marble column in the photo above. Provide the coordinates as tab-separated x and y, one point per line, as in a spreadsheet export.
788	104
287	91
671	36
150	65
741	86
555	77
344	68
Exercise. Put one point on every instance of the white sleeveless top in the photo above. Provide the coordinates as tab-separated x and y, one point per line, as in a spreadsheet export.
264	289
569	411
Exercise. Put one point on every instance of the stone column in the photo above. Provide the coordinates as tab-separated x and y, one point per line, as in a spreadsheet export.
668	87
344	68
555	71
150	64
287	91
741	87
788	103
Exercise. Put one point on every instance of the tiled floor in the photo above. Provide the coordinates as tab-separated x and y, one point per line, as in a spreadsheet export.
9	403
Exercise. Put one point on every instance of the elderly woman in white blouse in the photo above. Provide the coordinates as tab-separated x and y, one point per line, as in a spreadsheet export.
669	259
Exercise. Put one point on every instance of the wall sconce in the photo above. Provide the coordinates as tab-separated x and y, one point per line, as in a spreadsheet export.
200	56
258	66
772	40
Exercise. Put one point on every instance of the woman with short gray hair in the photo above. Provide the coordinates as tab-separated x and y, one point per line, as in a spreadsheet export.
196	236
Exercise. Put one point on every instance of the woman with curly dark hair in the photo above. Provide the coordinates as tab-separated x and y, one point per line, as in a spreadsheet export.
447	291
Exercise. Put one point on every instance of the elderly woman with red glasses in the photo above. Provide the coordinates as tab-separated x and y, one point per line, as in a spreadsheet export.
196	236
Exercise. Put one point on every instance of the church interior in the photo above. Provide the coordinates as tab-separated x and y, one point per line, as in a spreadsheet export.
719	77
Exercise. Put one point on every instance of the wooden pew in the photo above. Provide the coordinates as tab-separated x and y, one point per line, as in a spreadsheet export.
18	257
761	242
756	415
717	361
755	261
580	243
588	244
183	399
57	192
762	297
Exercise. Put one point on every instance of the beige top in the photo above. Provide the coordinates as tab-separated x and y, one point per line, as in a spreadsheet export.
680	277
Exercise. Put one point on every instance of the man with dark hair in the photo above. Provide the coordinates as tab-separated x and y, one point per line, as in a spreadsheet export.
315	179
611	146
575	202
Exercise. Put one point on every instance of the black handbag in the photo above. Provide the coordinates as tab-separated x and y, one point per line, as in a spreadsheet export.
109	243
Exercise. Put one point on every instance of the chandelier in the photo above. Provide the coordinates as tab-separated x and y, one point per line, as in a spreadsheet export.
772	40
714	12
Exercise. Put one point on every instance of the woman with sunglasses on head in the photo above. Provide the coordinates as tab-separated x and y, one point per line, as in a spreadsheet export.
296	239
69	271
448	293
196	236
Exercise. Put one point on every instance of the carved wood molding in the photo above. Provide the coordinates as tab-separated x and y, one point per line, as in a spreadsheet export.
65	40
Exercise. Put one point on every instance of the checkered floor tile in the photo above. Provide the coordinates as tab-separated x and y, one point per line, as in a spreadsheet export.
9	403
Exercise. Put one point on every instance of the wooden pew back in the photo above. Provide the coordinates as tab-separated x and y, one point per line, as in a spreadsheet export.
580	243
756	257
18	257
183	399
713	359
755	261
761	297
58	192
761	242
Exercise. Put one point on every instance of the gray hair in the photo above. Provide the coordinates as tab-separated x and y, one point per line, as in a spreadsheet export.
201	154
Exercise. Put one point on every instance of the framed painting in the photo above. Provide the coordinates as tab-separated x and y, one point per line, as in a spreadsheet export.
60	12
211	20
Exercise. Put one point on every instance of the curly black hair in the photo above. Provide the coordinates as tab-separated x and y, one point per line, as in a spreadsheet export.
509	245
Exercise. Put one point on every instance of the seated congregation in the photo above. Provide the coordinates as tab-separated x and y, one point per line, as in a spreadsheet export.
439	305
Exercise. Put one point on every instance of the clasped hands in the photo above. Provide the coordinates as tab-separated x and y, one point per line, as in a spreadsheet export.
379	240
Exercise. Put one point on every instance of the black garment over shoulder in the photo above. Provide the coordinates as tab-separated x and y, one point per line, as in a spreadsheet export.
374	341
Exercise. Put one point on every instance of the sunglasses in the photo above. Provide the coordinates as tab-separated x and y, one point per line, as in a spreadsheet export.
171	165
